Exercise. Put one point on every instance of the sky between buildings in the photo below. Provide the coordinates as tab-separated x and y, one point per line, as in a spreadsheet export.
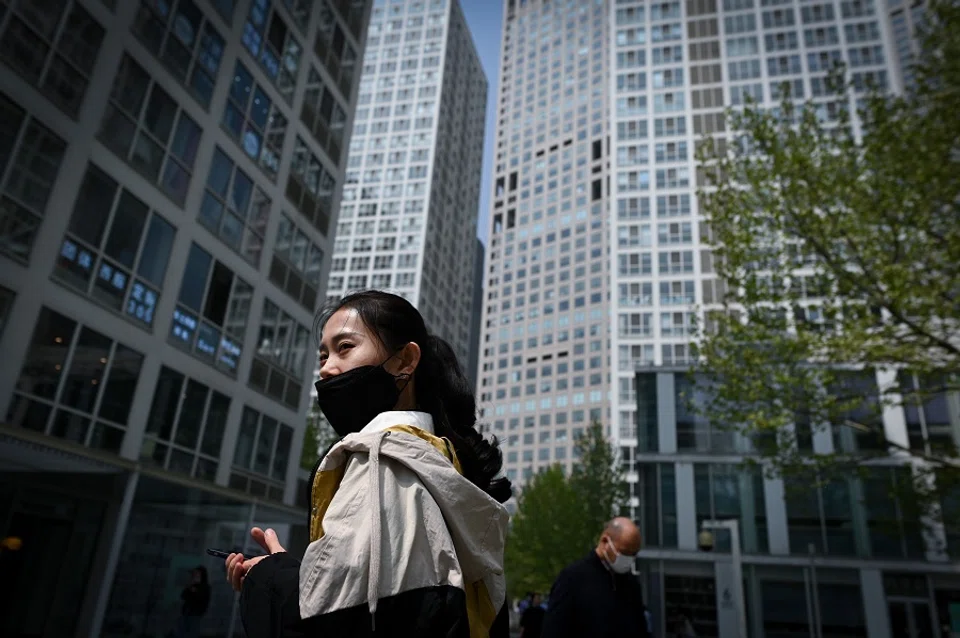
484	18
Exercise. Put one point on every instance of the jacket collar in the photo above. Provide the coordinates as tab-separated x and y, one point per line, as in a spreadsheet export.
384	420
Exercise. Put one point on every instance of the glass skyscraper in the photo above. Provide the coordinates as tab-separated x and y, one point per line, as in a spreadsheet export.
170	177
598	266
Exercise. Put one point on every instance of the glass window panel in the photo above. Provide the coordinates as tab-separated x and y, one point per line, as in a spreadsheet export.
156	251
282	454
80	39
215	425
70	426
126	230
186	140
218	294
166	398
240	194
43	365
220	170
161	112
92	207
265	444
87	369
191	414
195	278
121	385
246	439
130	87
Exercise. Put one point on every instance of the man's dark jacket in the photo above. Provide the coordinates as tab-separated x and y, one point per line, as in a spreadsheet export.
590	600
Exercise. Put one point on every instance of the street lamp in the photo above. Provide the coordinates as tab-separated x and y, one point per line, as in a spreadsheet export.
705	541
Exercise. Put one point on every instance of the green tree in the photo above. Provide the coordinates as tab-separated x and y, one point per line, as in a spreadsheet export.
597	480
838	242
559	518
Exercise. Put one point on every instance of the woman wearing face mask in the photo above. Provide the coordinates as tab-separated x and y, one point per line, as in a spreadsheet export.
407	524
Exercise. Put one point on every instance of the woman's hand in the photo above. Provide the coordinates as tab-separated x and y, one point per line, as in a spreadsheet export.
237	567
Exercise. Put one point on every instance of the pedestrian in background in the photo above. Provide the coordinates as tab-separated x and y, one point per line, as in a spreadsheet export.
598	596
531	623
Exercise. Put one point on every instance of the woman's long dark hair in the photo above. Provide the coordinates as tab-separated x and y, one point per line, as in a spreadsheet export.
441	387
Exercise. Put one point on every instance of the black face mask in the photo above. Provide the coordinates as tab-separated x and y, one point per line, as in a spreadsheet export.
352	399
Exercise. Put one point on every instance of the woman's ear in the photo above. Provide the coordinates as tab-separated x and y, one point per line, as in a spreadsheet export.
408	359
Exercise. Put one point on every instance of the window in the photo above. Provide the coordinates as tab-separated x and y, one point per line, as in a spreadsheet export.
657	487
310	187
785	41
822	36
278	368
146	127
332	48
676	262
185	427
262	455
116	249
52	49
324	116
673	205
76	384
234	208
635	324
296	264
784	65
254	121
210	319
179	34
299	10
744	70
694	431
669	126
677	324
673	177
724	491
740	23
30	156
266	37
673	293
7	297
742	94
926	408
822	516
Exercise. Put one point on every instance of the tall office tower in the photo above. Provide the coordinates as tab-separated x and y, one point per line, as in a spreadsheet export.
409	214
169	175
837	559
544	366
476	320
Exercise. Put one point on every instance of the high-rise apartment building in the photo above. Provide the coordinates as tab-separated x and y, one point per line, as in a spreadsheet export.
557	352
170	173
545	349
409	213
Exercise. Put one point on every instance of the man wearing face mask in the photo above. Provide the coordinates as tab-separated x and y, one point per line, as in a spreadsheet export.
598	596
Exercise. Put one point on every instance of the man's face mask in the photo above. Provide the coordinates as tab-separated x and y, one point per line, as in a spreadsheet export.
351	400
621	563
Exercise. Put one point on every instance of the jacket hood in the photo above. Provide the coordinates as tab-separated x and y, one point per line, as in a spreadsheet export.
375	517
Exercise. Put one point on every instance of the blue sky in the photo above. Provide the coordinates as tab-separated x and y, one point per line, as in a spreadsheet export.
484	17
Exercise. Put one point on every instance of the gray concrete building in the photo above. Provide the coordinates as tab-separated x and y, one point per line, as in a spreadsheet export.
170	176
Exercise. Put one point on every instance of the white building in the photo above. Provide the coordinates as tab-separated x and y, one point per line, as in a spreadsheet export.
170	173
409	213
626	89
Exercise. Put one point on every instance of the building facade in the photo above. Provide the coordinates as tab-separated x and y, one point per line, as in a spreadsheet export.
409	214
170	173
598	268
544	360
